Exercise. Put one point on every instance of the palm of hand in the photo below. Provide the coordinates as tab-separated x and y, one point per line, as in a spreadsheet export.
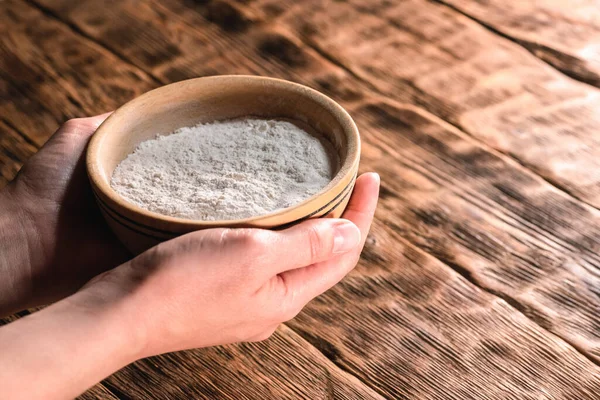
70	240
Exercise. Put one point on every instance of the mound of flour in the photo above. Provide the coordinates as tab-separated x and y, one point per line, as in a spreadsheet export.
226	170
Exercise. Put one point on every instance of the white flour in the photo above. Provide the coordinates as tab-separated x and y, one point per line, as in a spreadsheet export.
226	170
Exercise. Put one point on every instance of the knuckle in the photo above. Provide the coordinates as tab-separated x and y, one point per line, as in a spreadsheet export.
287	308
249	238
264	335
79	125
254	243
315	242
245	249
151	257
289	312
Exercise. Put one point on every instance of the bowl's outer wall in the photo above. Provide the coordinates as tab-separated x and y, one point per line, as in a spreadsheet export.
216	98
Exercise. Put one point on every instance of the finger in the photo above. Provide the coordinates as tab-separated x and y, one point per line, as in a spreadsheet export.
317	240
84	127
311	242
303	284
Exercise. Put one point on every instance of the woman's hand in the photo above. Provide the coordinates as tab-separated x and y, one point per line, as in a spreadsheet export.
228	285
206	288
53	237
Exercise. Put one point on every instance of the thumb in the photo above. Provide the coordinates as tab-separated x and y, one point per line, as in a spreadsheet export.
313	241
71	137
83	127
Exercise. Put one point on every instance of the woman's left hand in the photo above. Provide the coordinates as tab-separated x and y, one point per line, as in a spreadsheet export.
53	236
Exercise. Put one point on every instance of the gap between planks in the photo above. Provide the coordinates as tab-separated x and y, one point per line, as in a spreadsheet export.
332	60
25	137
519	42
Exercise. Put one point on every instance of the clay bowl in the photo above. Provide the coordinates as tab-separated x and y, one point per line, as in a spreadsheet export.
210	99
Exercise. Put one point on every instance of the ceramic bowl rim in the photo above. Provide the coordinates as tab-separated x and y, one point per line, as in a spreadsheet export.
100	183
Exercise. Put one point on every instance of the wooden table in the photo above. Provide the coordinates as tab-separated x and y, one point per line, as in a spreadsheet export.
481	278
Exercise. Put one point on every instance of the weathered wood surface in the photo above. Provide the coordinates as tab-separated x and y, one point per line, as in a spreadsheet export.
406	324
565	34
98	392
415	329
14	151
49	74
504	228
428	54
249	43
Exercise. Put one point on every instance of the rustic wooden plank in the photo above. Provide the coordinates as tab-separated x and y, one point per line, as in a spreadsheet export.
246	50
415	329
428	54
14	151
504	228
563	33
49	74
284	367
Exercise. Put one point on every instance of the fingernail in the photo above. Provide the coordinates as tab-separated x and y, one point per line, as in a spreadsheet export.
346	237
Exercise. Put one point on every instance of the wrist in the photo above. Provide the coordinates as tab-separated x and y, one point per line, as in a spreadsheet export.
109	298
65	348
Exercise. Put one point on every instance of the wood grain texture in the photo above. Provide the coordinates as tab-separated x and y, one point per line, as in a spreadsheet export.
190	45
563	33
402	321
14	151
98	392
501	226
428	54
283	367
49	74
414	329
546	212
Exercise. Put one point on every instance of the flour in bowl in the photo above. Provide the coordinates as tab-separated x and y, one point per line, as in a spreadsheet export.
226	170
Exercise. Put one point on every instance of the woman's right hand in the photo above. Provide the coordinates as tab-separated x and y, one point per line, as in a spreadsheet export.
221	286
